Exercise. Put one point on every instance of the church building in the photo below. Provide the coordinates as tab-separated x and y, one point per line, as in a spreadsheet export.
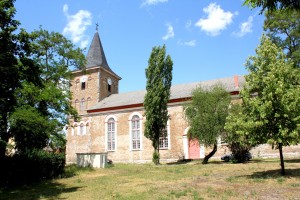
113	123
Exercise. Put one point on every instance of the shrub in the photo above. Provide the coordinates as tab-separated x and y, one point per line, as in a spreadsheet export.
31	166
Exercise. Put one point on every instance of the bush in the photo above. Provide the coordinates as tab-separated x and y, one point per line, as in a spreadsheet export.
30	166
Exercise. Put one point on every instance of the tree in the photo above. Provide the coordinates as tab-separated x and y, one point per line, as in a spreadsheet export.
48	102
271	98
283	28
15	67
159	78
236	132
206	114
273	4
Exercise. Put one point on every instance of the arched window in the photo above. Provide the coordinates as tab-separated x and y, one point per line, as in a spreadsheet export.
76	103
88	102
81	129
111	131
82	104
135	133
76	84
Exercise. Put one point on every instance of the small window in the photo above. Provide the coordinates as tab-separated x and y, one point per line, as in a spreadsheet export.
82	104
88	102
83	85
81	132
76	103
76	84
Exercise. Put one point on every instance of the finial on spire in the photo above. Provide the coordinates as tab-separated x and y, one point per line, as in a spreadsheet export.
97	26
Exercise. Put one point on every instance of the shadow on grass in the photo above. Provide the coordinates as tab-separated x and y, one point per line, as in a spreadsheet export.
273	174
180	162
45	190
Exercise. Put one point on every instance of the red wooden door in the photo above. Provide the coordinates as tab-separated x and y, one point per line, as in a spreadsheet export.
194	149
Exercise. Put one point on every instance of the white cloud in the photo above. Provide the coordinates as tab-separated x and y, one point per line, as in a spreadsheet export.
153	2
170	32
190	43
245	27
216	21
77	25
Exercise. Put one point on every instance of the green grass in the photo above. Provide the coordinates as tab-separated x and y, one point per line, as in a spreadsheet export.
258	179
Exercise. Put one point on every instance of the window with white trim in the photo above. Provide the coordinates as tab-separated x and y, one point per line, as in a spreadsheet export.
135	133
111	143
164	140
81	129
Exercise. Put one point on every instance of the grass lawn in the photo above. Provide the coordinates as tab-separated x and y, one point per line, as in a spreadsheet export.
258	179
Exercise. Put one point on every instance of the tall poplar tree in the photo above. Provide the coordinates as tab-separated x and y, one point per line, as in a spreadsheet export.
159	78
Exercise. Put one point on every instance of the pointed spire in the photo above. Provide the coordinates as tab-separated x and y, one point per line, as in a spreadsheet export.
96	56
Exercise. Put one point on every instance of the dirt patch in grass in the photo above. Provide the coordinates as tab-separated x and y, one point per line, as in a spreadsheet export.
258	179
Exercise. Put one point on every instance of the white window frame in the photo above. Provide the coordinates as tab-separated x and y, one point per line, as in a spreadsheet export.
115	132
130	131
168	138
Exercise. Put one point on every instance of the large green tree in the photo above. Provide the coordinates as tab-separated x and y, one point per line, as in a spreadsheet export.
271	99
48	103
15	67
272	5
159	79
283	28
206	114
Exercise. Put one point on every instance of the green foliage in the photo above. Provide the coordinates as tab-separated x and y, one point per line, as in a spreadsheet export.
271	99
159	78
283	28
15	66
237	132
206	114
31	130
30	166
155	157
274	111
273	5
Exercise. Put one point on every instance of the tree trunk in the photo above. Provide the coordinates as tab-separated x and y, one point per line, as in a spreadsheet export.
281	159
205	160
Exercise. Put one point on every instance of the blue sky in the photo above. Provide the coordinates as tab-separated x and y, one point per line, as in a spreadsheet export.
205	39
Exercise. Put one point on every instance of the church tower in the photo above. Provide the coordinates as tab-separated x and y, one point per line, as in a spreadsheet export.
96	82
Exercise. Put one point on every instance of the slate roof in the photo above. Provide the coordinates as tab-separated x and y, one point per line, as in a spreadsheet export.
96	56
177	92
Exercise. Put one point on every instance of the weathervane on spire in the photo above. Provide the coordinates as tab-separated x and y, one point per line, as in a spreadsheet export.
97	26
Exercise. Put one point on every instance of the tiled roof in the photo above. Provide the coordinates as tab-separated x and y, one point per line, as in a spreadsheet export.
177	92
